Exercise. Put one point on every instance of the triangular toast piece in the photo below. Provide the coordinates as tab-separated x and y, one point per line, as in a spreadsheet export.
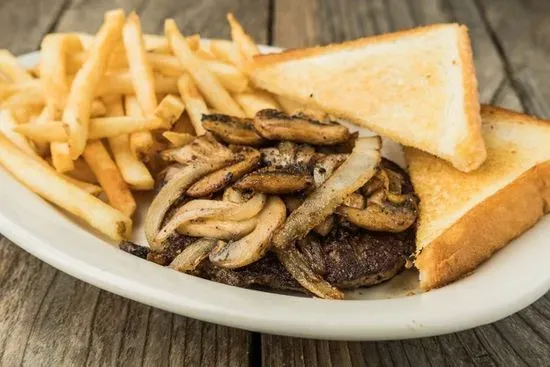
417	87
466	217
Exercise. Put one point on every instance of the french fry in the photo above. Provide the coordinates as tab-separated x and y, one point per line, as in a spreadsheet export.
209	86
86	40
97	109
256	101
169	110
10	89
178	139
44	181
205	55
133	171
153	42
82	172
42	148
228	52
194	103
26	98
109	177
246	44
86	186
140	70
77	110
229	76
7	123
163	117
7	127
11	68
102	127
34	71
142	145
184	125
53	71
61	157
23	115
121	83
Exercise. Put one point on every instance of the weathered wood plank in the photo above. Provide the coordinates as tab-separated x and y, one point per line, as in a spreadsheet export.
339	20
23	23
50	318
55	319
87	15
521	30
110	317
24	282
61	329
207	17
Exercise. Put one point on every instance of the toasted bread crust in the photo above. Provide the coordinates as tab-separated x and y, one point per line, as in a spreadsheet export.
300	53
486	228
468	151
471	150
492	224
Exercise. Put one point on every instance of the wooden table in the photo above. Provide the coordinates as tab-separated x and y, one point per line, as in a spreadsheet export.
49	318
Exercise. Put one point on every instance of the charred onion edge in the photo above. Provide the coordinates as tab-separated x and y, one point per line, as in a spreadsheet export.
300	270
172	191
192	255
350	176
253	246
213	209
220	229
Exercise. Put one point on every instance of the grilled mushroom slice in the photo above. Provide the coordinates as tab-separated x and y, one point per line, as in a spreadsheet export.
382	214
271	180
200	148
287	153
355	200
232	130
216	181
276	125
252	247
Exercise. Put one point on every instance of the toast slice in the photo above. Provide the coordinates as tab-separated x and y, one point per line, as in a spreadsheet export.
465	218
417	87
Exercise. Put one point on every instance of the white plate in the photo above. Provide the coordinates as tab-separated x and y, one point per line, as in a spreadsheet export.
508	282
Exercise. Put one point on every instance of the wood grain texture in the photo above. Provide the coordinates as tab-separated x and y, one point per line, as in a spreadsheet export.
52	319
23	23
522	32
207	16
492	345
49	318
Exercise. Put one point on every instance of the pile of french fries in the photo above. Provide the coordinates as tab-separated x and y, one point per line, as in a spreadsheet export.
83	129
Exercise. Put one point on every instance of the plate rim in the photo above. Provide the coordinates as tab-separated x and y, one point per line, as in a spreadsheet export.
293	316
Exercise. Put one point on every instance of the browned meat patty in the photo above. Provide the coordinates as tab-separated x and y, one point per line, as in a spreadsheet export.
350	258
